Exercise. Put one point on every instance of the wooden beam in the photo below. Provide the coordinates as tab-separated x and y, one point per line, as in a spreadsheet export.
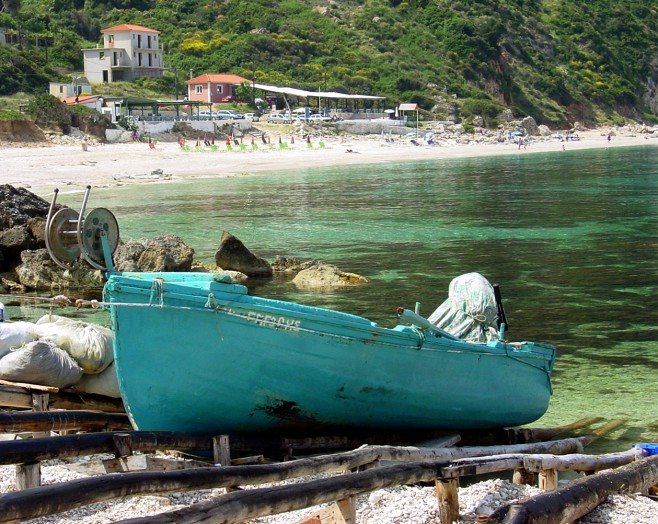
21	398
548	479
523	476
31	387
28	474
446	493
46	421
221	450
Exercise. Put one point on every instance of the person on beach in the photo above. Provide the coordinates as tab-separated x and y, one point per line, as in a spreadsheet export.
609	138
206	140
262	137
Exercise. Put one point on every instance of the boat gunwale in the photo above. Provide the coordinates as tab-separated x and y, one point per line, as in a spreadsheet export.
366	330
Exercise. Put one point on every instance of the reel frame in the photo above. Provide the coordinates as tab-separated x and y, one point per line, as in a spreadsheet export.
70	235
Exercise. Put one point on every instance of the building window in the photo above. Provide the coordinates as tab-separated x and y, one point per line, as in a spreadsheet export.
110	39
198	89
220	88
101	55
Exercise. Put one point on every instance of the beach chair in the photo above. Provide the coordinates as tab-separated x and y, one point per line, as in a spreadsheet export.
243	148
213	148
186	148
309	145
254	146
321	145
229	147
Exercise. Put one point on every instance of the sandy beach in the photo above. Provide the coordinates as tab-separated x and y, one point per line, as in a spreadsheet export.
68	167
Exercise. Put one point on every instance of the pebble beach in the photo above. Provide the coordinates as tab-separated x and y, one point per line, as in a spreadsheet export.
401	505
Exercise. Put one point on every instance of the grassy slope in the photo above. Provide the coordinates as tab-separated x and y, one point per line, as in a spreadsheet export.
557	60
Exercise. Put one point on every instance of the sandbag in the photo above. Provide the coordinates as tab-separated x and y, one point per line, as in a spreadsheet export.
90	345
40	362
104	383
470	311
14	335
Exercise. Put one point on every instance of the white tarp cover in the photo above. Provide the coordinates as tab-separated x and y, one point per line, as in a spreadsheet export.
470	311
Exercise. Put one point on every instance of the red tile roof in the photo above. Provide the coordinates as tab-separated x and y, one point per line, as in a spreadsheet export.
81	99
128	27
226	78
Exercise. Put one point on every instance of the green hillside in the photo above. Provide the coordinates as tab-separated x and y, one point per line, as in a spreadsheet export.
557	60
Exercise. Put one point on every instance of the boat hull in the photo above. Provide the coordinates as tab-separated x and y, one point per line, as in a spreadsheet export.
205	356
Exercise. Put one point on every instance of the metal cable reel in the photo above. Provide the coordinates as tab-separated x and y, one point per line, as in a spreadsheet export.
99	222
70	235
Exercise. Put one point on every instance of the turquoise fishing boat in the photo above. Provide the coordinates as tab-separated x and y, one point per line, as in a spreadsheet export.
195	352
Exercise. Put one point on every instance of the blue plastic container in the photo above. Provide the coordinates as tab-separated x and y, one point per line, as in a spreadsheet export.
651	449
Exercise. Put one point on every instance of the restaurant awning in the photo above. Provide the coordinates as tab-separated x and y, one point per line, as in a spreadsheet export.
323	94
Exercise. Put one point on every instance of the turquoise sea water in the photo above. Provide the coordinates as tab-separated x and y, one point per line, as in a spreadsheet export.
571	237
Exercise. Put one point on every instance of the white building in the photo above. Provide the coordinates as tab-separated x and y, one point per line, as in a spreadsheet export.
129	51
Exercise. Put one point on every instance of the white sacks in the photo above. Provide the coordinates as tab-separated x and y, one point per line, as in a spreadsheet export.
40	363
15	334
89	345
470	311
104	383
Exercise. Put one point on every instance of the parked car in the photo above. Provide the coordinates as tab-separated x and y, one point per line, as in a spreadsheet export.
227	114
205	114
279	119
318	118
252	116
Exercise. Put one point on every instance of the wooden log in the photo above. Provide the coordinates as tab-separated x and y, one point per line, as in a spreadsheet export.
446	493
609	427
252	503
33	450
521	435
580	462
66	495
46	421
573	501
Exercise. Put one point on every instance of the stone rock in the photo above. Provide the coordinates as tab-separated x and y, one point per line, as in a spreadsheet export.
37	228
235	276
291	265
166	253
232	254
544	130
530	126
127	255
506	115
320	276
12	242
39	272
18	205
478	121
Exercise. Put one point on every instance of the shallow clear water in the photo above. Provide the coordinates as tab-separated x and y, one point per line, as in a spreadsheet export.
570	237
